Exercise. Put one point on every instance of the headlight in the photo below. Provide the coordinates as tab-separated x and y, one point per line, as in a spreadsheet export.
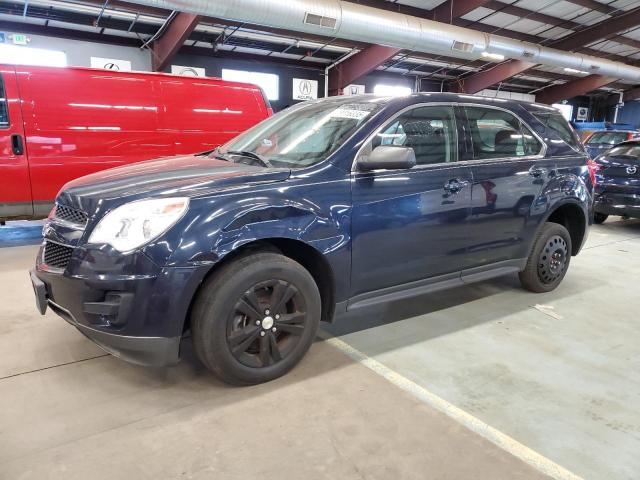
134	224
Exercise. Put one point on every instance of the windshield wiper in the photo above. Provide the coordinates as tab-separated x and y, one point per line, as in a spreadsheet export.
252	155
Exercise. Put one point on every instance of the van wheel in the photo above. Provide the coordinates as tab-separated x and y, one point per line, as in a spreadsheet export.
255	318
599	218
549	259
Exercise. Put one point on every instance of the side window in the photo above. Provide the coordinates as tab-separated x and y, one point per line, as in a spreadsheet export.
561	127
4	111
430	131
498	134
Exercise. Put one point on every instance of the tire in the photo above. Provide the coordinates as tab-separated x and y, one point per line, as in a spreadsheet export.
235	337
549	259
599	218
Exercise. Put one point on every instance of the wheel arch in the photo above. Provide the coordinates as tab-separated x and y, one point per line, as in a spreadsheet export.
303	253
572	216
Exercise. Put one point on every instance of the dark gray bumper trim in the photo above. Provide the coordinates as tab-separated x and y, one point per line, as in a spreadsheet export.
147	351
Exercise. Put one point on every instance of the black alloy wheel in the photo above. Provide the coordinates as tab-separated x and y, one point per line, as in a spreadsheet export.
266	324
255	317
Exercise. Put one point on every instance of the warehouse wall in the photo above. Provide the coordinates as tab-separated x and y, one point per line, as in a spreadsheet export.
630	113
79	53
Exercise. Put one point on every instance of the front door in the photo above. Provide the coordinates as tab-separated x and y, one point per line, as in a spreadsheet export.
15	187
509	174
409	225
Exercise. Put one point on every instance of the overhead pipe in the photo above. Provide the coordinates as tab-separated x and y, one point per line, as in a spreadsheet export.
351	21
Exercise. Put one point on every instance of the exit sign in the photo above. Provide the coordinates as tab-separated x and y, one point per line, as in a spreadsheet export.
19	39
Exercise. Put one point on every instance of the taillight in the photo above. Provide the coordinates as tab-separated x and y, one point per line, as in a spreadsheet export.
593	169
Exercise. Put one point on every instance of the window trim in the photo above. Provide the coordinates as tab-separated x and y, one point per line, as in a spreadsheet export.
542	154
6	102
370	137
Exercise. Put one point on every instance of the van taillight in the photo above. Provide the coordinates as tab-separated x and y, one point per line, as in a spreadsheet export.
267	103
593	169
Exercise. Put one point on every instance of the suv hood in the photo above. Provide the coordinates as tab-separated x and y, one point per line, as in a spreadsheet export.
185	176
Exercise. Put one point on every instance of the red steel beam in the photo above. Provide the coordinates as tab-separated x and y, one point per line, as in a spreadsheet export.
599	31
164	48
503	71
571	89
358	65
496	74
451	9
373	56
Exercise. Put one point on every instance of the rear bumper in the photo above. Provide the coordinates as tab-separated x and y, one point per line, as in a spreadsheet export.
138	317
618	204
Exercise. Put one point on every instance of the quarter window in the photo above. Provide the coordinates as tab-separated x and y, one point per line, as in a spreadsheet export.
557	123
499	134
4	111
430	131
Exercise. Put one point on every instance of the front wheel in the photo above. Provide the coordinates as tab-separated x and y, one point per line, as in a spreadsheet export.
599	218
255	318
549	259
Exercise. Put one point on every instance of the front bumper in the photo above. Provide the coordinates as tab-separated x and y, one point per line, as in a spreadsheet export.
127	305
609	203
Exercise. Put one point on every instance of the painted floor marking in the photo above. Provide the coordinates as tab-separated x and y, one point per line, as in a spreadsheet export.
495	436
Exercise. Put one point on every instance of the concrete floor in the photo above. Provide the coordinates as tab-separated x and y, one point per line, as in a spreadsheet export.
567	387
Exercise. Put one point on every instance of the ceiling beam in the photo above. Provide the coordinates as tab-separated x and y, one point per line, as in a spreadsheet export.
600	31
451	9
571	89
551	20
593	5
373	56
496	74
172	37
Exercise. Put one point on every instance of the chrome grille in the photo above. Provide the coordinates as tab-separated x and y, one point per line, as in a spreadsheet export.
56	255
71	215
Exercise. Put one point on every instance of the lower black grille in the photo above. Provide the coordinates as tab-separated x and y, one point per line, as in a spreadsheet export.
71	215
56	255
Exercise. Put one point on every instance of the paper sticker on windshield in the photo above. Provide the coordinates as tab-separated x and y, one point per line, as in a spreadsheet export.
345	112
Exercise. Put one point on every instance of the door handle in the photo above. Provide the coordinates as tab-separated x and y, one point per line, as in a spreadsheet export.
536	171
16	144
455	185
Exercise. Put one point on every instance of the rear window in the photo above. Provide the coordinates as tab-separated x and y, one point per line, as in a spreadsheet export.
4	113
608	138
558	124
632	150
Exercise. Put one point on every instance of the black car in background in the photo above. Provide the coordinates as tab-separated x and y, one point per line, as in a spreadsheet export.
618	182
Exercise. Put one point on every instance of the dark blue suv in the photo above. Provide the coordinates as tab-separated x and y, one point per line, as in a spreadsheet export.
330	206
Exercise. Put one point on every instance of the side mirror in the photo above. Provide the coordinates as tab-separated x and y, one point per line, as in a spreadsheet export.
389	158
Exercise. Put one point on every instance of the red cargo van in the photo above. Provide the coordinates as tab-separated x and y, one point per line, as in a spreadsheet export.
57	124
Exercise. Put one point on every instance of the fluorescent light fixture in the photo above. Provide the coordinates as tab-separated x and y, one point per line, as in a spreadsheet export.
573	70
492	56
565	109
392	90
267	81
13	54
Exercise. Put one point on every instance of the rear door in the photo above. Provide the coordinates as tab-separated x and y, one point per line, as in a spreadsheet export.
200	115
509	172
15	187
409	225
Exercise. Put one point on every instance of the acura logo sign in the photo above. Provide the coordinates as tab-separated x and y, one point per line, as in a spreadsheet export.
631	170
305	88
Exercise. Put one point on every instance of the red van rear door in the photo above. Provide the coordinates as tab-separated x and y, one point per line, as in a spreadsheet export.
15	189
201	114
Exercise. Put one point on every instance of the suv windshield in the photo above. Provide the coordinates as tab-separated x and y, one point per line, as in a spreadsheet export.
302	135
610	138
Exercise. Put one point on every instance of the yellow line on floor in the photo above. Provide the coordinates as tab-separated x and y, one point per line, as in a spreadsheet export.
495	436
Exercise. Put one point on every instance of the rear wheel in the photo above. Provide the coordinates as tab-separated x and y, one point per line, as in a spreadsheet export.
254	319
599	217
549	259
